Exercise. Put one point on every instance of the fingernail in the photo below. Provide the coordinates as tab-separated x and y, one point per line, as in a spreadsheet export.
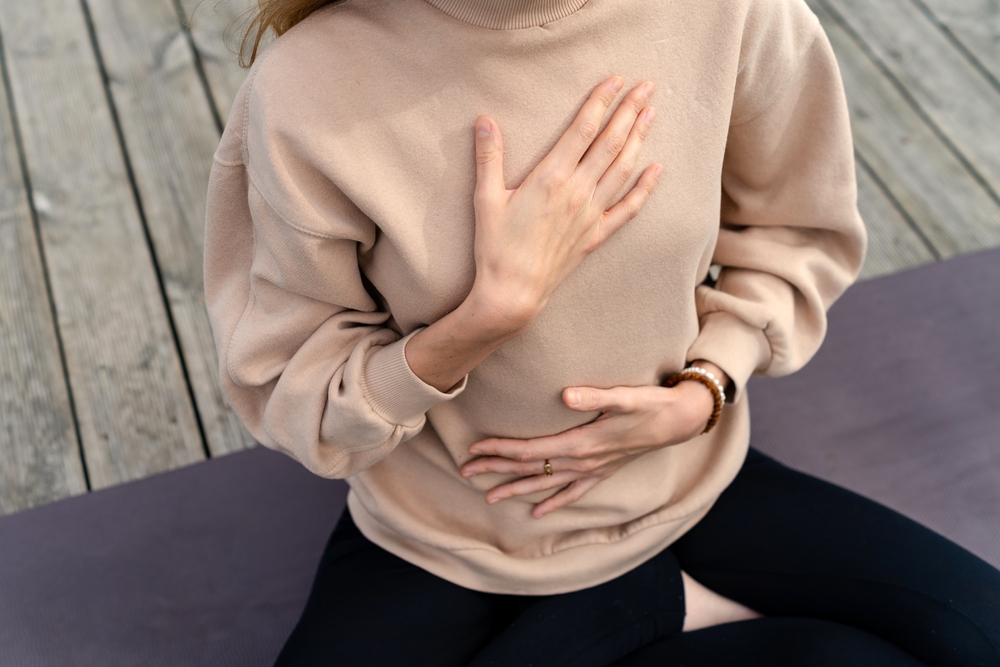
647	90
650	115
617	84
490	501
468	474
573	397
657	170
482	127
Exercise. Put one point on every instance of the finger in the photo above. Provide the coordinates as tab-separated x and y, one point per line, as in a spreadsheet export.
586	399
489	162
617	175
527	485
577	442
498	464
620	131
630	205
570	494
566	154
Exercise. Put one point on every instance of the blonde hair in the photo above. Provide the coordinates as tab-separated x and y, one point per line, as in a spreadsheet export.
276	15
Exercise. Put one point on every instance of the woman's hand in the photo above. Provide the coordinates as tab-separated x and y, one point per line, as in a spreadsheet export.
528	240
634	421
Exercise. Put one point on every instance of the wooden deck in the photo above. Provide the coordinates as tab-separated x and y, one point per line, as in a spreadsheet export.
109	116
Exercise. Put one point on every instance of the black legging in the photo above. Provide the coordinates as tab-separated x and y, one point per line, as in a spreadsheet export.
841	580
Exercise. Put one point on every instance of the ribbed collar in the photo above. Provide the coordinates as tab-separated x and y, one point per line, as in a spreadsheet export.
507	14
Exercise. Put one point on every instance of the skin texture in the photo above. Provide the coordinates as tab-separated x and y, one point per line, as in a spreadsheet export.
528	240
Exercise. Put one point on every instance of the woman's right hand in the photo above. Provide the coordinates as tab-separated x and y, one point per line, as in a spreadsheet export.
528	240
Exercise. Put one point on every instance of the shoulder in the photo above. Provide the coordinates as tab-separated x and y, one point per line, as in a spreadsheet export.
776	36
307	61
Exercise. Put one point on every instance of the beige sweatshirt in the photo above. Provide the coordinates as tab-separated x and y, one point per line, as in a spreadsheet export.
340	222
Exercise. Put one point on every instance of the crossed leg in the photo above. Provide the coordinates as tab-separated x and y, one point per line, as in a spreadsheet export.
845	576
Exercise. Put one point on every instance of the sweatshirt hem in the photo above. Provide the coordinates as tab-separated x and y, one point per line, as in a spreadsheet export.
565	571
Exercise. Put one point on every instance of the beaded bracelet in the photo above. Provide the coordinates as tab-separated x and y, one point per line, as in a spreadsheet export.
709	380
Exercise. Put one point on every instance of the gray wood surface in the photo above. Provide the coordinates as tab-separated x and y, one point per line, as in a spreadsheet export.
171	135
119	169
975	27
217	26
949	94
132	403
936	192
38	446
893	246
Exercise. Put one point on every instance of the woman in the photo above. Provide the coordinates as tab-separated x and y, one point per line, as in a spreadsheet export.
508	341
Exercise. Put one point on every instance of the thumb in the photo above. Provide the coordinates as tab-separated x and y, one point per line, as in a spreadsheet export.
489	159
584	399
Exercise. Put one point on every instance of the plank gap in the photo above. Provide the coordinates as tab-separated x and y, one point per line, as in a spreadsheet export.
959	45
910	100
199	66
903	213
30	194
116	122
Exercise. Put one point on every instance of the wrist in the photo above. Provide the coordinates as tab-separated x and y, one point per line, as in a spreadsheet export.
489	314
720	375
707	402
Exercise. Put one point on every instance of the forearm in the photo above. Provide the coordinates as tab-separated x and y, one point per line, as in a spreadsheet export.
443	353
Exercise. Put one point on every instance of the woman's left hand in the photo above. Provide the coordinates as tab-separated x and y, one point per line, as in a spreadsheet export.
634	421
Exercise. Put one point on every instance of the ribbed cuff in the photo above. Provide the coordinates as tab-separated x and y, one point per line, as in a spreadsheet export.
734	346
395	393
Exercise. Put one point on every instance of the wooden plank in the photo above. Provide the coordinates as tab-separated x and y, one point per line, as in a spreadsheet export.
932	186
216	27
171	135
893	246
947	91
132	403
38	446
975	24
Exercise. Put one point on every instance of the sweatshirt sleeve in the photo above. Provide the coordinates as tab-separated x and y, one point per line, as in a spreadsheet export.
791	239
306	359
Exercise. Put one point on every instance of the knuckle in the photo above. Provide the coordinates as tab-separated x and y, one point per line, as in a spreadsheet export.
588	129
624	171
615	142
578	199
588	398
606	97
523	456
486	155
554	185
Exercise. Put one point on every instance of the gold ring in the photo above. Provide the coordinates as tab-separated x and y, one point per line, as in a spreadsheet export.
548	468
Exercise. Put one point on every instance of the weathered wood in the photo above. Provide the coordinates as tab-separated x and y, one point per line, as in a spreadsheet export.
171	136
950	94
893	246
132	403
975	24
38	446
216	27
934	188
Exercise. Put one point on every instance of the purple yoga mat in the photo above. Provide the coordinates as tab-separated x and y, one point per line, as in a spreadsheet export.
210	564
205	565
902	402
